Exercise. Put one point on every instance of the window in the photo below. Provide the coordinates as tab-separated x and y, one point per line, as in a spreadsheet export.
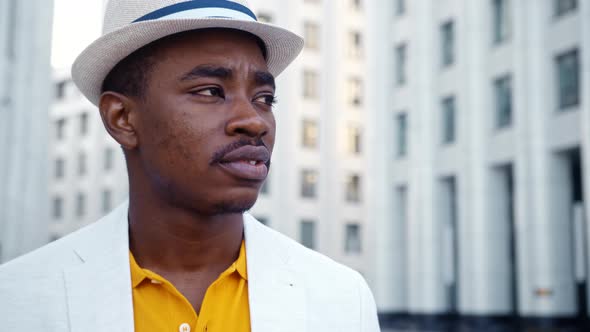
264	18
107	201
353	189
400	7
355	91
60	90
401	205
311	33
81	163
60	168
60	127
563	7
501	21
12	28
448	115
568	78
355	48
265	190
503	101
309	180
307	233
310	134
400	64
108	159
310	85
354	140
84	124
402	135
57	208
352	241
80	205
447	32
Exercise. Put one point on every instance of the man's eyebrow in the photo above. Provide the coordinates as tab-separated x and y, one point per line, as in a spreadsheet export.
264	78
207	71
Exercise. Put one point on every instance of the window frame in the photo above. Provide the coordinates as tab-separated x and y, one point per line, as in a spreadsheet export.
498	89
448	46
565	104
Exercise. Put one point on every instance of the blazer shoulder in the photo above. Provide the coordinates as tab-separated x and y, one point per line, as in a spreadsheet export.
57	255
304	260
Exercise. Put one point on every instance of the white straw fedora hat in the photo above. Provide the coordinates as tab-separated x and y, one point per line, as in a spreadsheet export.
131	24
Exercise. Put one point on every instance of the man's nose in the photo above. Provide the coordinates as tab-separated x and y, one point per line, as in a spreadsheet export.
246	119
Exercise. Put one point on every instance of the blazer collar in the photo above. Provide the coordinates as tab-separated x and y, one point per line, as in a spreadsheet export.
99	291
276	294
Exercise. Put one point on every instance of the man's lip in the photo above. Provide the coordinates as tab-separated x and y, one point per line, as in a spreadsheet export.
245	170
259	154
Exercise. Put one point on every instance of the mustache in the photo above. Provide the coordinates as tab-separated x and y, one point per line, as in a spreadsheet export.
222	151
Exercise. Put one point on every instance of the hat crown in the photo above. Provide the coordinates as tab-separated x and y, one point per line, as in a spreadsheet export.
120	13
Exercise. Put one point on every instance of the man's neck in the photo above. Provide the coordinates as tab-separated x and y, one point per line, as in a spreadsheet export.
164	238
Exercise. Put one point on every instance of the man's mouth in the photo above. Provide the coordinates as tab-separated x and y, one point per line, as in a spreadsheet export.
247	162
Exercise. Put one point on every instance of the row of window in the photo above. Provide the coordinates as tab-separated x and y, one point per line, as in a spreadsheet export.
352	236
82	162
500	33
568	92
310	137
308	235
353	4
309	186
501	15
81	205
311	88
60	126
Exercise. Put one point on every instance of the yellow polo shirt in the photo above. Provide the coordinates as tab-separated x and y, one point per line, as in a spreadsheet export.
159	306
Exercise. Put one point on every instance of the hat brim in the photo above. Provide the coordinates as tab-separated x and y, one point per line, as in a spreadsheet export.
99	58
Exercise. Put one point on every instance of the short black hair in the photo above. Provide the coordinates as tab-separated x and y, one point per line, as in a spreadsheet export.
131	75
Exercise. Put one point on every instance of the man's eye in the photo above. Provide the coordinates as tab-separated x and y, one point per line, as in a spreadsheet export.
211	92
266	99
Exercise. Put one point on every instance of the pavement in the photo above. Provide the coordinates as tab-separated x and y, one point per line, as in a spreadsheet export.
463	326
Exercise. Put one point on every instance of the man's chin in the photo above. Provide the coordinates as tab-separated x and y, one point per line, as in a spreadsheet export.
233	207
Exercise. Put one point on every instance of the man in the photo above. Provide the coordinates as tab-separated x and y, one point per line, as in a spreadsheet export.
186	88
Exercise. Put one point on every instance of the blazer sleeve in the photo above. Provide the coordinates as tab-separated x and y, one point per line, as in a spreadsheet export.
369	320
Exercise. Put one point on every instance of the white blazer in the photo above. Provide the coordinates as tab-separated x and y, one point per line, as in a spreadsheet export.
82	283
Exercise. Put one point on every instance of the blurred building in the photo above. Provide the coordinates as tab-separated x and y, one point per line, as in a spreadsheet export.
25	82
317	192
481	194
88	176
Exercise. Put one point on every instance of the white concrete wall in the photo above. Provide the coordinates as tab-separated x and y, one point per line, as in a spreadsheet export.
26	98
93	145
531	145
284	206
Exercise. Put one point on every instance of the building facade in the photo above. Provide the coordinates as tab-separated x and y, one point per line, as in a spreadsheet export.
25	82
484	210
318	188
88	176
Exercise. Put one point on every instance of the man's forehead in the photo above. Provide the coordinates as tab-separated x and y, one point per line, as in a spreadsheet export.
258	75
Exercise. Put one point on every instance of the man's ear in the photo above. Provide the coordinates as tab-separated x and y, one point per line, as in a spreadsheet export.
119	117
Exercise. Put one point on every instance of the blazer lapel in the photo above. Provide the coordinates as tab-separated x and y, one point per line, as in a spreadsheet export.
276	296
99	290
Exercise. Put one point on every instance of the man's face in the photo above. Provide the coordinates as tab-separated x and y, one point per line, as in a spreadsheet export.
205	125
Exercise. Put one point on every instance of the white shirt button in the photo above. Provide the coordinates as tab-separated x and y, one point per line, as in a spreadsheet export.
184	327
